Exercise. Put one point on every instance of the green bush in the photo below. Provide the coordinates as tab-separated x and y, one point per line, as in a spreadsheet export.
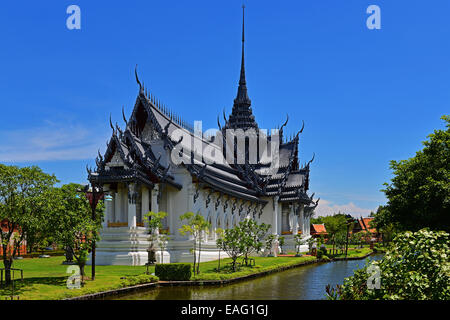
173	271
321	252
415	267
140	279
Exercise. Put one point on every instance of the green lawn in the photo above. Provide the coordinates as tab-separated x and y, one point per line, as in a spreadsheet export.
46	278
208	270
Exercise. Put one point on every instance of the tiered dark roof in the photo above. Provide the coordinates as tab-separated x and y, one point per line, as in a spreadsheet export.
140	159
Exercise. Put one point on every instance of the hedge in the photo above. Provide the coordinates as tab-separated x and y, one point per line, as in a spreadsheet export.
139	279
173	271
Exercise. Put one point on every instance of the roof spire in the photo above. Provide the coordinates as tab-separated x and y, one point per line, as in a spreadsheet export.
242	90
241	116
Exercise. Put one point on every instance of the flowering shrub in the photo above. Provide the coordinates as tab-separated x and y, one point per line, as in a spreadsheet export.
415	267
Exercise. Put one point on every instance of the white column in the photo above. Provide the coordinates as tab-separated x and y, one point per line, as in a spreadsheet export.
294	221
132	197
117	206
307	226
112	217
275	216
301	217
155	205
145	198
108	213
279	220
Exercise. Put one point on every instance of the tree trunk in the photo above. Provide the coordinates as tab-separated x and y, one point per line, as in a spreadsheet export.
218	268
7	262
195	254
81	271
199	252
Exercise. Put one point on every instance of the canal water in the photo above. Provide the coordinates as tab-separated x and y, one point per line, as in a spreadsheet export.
303	283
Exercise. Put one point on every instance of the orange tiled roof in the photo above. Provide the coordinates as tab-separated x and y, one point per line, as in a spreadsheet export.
365	224
319	228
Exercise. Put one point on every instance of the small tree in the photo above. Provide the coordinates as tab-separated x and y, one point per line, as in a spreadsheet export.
231	243
281	244
335	224
163	240
252	235
310	243
299	241
219	233
269	243
154	224
72	224
197	226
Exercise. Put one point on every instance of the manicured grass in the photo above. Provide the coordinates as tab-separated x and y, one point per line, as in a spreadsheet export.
47	278
354	253
208	270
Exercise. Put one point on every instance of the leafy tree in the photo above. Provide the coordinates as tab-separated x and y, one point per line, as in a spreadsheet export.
197	226
415	267
336	225
153	221
310	243
269	243
71	222
163	240
231	243
25	195
219	233
384	225
252	235
318	220
340	240
419	193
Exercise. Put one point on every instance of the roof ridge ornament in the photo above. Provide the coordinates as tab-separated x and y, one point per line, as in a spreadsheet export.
123	115
137	78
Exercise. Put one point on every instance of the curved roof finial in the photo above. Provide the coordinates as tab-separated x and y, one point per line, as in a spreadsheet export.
123	115
137	78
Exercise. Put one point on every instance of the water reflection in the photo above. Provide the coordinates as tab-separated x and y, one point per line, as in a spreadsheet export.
304	283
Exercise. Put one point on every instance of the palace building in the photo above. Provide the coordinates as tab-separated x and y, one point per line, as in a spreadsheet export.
160	163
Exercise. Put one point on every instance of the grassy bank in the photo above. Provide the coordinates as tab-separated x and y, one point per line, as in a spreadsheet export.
208	270
47	278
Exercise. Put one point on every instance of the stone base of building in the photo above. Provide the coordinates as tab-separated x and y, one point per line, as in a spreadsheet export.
122	246
128	246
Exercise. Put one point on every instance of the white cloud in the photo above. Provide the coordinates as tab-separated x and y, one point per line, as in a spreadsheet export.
327	208
49	143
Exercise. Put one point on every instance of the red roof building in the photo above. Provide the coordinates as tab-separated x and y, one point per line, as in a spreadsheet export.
318	229
23	246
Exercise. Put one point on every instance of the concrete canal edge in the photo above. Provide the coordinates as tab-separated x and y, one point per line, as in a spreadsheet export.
146	286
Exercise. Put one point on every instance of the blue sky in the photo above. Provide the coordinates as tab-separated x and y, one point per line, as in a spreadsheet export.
366	96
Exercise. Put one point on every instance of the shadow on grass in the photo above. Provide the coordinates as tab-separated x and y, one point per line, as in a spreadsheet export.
27	284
